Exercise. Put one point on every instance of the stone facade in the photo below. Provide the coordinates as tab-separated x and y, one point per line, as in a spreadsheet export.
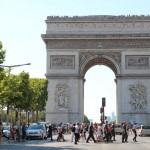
75	44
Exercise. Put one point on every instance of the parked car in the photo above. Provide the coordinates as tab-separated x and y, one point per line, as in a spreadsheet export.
6	131
118	129
143	130
36	130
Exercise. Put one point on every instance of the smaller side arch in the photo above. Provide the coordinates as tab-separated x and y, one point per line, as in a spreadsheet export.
99	60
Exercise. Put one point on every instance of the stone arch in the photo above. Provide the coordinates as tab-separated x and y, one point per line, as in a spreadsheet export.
99	60
75	44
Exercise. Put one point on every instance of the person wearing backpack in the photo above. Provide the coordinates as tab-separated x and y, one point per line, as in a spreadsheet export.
72	132
91	133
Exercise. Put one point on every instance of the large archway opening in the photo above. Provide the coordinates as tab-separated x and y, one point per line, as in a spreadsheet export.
99	83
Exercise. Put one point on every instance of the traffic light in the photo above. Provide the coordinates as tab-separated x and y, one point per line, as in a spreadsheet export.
103	102
101	110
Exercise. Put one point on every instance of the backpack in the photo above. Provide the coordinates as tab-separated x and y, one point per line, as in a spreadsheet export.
73	129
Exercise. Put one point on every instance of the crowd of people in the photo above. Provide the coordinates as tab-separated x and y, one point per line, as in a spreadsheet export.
97	132
17	133
78	131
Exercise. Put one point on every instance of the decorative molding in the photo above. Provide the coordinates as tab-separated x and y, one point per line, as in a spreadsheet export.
138	96
114	55
97	36
62	61
97	18
62	97
96	43
137	62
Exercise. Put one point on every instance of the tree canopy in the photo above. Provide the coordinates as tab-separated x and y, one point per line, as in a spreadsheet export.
2	59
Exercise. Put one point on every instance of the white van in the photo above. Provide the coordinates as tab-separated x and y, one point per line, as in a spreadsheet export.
118	129
143	130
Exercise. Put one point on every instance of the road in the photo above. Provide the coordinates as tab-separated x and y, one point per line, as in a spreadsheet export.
142	144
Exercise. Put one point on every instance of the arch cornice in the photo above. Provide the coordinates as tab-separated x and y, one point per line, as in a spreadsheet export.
111	60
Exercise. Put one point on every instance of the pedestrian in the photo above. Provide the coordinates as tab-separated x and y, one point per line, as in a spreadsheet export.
109	131
72	132
1	131
91	132
23	131
100	133
134	131
95	127
20	132
106	132
82	131
125	133
50	132
60	133
76	133
14	133
113	131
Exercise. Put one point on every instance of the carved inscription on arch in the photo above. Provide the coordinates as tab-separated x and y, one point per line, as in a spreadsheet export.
140	62
62	61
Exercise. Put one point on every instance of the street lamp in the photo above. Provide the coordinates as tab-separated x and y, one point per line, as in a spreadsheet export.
12	66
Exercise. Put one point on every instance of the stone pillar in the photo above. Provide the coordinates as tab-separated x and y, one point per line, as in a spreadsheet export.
66	102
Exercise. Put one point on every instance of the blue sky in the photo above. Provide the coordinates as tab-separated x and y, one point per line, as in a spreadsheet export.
23	21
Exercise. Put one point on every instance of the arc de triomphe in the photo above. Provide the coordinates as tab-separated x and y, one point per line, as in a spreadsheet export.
75	44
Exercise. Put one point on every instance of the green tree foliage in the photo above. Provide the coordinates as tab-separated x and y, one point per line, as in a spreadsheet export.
2	53
39	94
86	120
9	90
15	90
2	59
23	101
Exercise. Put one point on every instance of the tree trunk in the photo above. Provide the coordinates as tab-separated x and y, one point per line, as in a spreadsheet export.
37	116
26	117
7	116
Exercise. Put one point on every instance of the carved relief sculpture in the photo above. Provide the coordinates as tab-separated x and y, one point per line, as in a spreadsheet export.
137	61
62	97
62	62
138	96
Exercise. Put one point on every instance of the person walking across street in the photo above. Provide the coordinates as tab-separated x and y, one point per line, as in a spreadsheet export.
23	131
72	132
50	132
76	133
124	133
91	132
1	131
113	131
106	132
134	131
60	133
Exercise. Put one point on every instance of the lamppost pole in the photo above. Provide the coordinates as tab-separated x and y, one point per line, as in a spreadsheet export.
11	66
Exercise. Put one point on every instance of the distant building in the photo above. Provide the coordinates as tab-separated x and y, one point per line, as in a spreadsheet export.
108	118
113	117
